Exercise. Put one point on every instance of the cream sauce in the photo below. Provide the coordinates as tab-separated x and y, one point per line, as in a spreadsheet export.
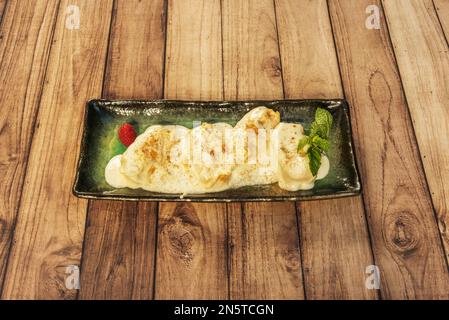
214	157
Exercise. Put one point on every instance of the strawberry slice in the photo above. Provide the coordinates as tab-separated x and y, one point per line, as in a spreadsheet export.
127	134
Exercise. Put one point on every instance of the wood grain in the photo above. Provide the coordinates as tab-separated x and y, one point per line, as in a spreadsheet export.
423	60
335	249
264	251
442	8
404	234
252	68
269	49
335	256
136	51
119	246
50	223
264	257
191	253
118	255
26	33
193	67
2	8
309	61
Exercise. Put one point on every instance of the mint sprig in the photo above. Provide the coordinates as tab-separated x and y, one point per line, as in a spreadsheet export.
316	142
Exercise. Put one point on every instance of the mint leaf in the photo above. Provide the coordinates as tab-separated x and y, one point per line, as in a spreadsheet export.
322	124
314	155
316	142
303	145
320	143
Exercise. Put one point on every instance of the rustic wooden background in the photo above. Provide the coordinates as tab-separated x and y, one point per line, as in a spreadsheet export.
395	78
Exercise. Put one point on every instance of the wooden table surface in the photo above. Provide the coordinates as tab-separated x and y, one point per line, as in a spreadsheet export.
395	77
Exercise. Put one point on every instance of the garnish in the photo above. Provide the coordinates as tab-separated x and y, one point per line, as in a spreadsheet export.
316	141
127	134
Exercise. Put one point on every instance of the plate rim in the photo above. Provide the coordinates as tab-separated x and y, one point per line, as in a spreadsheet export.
154	103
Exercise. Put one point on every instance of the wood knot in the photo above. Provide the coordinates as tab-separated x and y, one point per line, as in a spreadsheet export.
403	231
291	259
52	280
183	232
72	251
187	214
272	67
180	238
379	90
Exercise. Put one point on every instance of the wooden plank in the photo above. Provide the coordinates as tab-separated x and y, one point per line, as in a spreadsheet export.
335	249
404	234
423	60
442	8
264	257
26	33
334	258
252	68
191	253
118	256
194	47
136	57
264	251
307	50
50	226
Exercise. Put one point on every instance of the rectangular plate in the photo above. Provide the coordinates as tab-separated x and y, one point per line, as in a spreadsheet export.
103	117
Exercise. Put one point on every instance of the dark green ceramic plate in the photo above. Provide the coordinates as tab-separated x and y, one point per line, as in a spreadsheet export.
100	144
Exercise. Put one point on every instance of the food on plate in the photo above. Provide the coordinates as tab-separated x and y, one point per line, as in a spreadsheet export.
212	157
